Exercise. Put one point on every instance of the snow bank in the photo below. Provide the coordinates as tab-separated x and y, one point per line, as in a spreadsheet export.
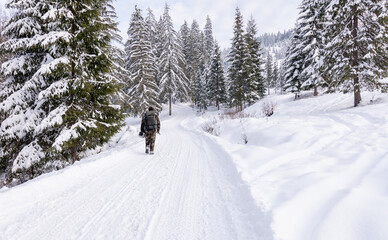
318	164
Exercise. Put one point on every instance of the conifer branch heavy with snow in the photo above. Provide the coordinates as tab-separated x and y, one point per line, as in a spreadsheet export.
57	98
142	65
236	59
338	45
217	81
171	61
245	71
356	47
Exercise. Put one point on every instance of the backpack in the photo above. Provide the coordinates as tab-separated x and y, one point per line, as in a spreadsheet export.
150	122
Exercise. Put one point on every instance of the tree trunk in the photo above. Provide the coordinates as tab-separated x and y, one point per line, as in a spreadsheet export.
357	93
169	105
74	154
315	91
73	47
354	62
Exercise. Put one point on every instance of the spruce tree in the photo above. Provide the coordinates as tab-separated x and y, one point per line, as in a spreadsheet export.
173	78
236	58
356	47
208	41
154	38
141	65
16	101
311	25
152	27
254	85
281	81
275	74
200	83
293	64
201	88
269	73
56	102
185	36
217	84
3	56
195	61
207	52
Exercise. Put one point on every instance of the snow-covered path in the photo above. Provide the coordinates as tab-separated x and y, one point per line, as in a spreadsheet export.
189	189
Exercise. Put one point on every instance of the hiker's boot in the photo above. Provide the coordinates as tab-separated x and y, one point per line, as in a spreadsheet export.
152	152
147	150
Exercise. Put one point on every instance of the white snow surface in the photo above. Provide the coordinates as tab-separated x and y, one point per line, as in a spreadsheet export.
316	169
318	164
190	189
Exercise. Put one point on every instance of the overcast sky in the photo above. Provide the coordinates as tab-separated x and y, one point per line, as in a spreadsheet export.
271	15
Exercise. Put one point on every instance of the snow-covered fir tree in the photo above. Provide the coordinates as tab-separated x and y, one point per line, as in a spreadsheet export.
3	56
311	24
236	59
356	45
269	78
275	74
173	78
281	78
217	83
195	60
56	100
198	47
159	48
141	65
254	85
201	87
152	26
208	41
184	34
154	38
208	51
200	84
293	64
207	45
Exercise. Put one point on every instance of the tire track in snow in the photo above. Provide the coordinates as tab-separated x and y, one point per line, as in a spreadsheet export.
48	207
187	190
205	197
139	204
85	203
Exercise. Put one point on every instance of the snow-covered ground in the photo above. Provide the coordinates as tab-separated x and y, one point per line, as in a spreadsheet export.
316	169
318	165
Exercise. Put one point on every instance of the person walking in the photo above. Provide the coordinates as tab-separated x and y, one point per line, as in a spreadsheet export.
150	125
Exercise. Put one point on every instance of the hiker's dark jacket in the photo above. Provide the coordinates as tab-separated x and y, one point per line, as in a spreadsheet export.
143	122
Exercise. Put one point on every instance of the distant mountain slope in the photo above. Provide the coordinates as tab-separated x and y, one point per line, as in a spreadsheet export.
275	43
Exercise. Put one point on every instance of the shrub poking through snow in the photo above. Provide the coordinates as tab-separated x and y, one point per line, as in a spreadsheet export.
212	127
237	115
243	133
268	108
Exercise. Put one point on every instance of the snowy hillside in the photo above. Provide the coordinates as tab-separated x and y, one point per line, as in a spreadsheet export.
316	169
318	165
